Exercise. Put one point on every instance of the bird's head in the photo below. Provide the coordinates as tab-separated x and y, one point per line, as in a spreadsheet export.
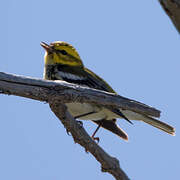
60	52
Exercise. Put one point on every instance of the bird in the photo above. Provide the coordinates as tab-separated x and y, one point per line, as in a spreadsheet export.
63	62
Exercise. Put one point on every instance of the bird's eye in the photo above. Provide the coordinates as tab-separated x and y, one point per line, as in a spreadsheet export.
63	52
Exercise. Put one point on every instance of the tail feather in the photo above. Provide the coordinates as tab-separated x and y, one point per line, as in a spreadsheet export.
158	124
113	127
149	120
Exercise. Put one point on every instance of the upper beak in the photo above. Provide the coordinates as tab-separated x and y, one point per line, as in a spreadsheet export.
46	46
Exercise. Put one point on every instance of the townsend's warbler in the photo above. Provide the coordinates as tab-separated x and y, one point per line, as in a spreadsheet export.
62	62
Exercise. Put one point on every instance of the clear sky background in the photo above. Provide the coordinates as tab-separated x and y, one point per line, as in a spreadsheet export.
132	45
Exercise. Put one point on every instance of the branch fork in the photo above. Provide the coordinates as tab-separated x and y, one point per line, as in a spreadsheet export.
60	92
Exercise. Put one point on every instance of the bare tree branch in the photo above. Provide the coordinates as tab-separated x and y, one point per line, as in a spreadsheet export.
58	93
172	8
108	164
65	92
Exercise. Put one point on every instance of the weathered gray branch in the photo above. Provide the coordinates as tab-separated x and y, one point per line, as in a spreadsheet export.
108	164
58	93
44	90
172	8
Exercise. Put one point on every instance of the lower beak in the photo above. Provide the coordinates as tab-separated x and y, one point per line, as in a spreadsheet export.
46	47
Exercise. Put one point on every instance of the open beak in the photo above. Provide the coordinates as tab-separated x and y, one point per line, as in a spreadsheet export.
46	46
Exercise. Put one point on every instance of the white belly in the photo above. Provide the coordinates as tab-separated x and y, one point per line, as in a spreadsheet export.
77	109
99	113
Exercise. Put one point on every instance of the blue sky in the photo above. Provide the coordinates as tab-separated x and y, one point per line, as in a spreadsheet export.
132	45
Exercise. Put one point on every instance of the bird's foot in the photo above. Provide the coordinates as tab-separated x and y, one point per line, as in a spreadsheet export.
80	123
96	139
68	132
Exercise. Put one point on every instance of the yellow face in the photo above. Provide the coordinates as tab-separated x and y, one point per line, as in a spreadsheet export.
61	53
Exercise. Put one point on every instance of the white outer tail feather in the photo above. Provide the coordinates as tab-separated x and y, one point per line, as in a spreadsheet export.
149	120
159	124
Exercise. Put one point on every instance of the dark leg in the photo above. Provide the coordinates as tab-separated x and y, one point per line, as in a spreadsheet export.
99	124
96	138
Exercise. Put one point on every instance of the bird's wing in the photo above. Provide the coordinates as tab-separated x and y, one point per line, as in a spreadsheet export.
102	85
96	82
86	77
83	76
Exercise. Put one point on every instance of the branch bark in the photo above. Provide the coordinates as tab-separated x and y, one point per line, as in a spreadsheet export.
58	93
65	92
108	164
172	9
